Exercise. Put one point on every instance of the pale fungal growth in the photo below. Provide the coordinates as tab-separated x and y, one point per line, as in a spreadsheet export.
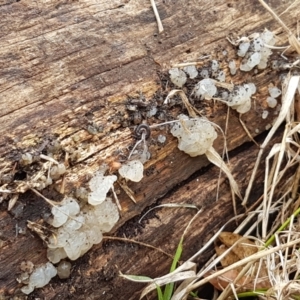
232	67
274	92
64	269
60	214
178	77
256	52
205	89
214	66
40	277
204	73
249	63
56	254
268	126
224	95
57	170
272	102
26	158
67	207
191	71
243	48
152	111
107	215
161	139
195	136
132	170
264	114
27	266
82	230
100	185
240	98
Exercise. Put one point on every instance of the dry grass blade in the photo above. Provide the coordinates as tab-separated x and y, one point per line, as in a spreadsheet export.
170	279
191	110
158	20
214	157
287	100
185	271
295	3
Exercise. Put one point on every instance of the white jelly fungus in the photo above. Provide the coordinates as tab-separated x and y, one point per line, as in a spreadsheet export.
232	67
240	98
40	276
81	231
57	170
178	77
132	170
214	65
64	269
274	92
100	185
243	48
195	136
161	139
67	207
26	159
271	102
191	71
264	114
256	52
205	89
204	73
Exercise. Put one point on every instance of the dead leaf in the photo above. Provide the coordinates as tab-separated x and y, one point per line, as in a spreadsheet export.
229	259
243	284
243	249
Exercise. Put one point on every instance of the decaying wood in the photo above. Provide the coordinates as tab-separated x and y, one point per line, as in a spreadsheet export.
68	65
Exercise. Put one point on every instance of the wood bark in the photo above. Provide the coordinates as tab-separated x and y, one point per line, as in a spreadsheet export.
68	65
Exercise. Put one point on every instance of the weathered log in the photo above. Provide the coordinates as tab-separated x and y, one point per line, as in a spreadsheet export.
67	70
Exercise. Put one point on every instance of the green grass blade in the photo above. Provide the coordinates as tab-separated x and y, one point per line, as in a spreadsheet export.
260	292
159	293
282	227
170	287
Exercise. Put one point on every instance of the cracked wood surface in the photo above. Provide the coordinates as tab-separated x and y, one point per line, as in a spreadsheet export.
67	64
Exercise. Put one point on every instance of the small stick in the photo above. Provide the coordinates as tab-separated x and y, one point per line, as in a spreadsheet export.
158	20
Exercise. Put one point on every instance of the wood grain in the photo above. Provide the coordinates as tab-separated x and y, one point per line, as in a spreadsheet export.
68	64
